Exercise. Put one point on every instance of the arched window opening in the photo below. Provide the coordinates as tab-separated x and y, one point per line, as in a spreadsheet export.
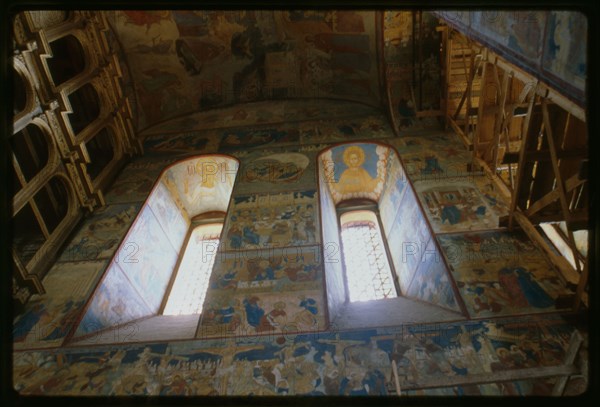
187	294
68	59
86	107
20	94
161	270
101	151
28	236
368	272
30	147
391	270
52	200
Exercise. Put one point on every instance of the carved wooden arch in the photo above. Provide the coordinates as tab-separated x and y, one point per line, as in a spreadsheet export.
31	101
103	111
35	22
87	328
45	173
72	203
89	56
37	266
334	272
117	148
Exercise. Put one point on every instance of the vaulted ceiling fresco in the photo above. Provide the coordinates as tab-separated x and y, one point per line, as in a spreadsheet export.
188	61
261	113
189	65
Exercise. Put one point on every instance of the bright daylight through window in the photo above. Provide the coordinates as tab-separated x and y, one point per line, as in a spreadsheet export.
189	289
367	269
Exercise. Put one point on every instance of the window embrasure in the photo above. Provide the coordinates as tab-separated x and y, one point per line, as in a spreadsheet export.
191	282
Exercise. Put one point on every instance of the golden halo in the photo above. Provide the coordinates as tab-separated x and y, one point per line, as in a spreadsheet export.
354	150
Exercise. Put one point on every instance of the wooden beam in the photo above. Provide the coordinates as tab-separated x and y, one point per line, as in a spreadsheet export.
499	116
564	237
492	377
472	112
506	126
33	154
494	177
544	155
543	89
27	277
396	378
40	218
446	69
579	219
520	169
553	195
477	133
459	132
429	113
509	107
583	278
387	87
510	157
565	268
583	169
468	94
20	176
469	78
574	345
560	186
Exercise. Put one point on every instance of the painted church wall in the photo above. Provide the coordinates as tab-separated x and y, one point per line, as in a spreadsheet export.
412	64
431	281
271	220
99	235
501	273
262	313
564	50
334	363
269	246
115	301
239	140
266	113
433	156
374	171
265	329
136	181
277	172
48	318
459	204
246	292
199	61
550	43
151	247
